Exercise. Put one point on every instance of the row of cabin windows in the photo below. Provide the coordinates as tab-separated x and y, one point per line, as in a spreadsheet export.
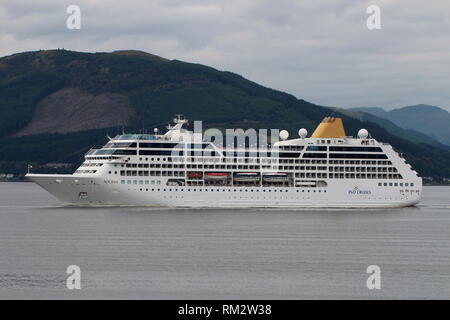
258	167
276	160
344	155
297	175
192	166
158	182
156	145
169	145
121	145
152	182
127	152
347	149
395	184
140	182
278	167
347	175
291	148
363	169
181	153
281	161
145	173
90	157
356	149
362	162
85	164
85	171
257	155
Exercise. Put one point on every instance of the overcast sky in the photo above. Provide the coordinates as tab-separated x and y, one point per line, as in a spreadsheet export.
318	50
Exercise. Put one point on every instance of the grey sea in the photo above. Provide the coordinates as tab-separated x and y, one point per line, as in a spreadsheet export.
147	253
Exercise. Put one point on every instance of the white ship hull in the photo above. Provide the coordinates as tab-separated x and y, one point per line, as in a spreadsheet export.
75	190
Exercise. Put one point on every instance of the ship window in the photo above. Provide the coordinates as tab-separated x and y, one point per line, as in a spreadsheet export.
357	156
161	152
356	149
315	155
160	145
316	148
120	145
115	151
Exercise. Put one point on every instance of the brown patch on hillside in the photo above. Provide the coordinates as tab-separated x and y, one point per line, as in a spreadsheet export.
72	109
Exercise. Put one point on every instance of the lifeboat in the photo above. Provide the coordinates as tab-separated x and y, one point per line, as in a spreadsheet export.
216	175
194	175
246	176
306	183
275	177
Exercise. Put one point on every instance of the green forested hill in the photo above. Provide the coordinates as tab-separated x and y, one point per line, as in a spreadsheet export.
33	88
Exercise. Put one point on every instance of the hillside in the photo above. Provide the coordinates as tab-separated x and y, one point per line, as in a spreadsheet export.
407	134
55	105
429	120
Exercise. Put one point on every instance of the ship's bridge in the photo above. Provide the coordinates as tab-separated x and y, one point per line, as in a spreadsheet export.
175	133
136	137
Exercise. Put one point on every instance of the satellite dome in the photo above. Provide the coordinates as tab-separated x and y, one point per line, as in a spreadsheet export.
363	134
284	134
155	130
303	133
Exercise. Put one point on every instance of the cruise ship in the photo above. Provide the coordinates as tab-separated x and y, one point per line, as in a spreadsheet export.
180	168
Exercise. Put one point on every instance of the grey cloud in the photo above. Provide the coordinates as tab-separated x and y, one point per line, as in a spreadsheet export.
317	50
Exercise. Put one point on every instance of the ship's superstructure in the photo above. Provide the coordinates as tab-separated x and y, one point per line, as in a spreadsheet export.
181	169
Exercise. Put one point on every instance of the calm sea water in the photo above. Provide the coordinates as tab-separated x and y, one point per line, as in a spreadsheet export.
221	254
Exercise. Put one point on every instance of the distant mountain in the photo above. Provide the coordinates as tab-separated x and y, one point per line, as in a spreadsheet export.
56	104
411	135
430	120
